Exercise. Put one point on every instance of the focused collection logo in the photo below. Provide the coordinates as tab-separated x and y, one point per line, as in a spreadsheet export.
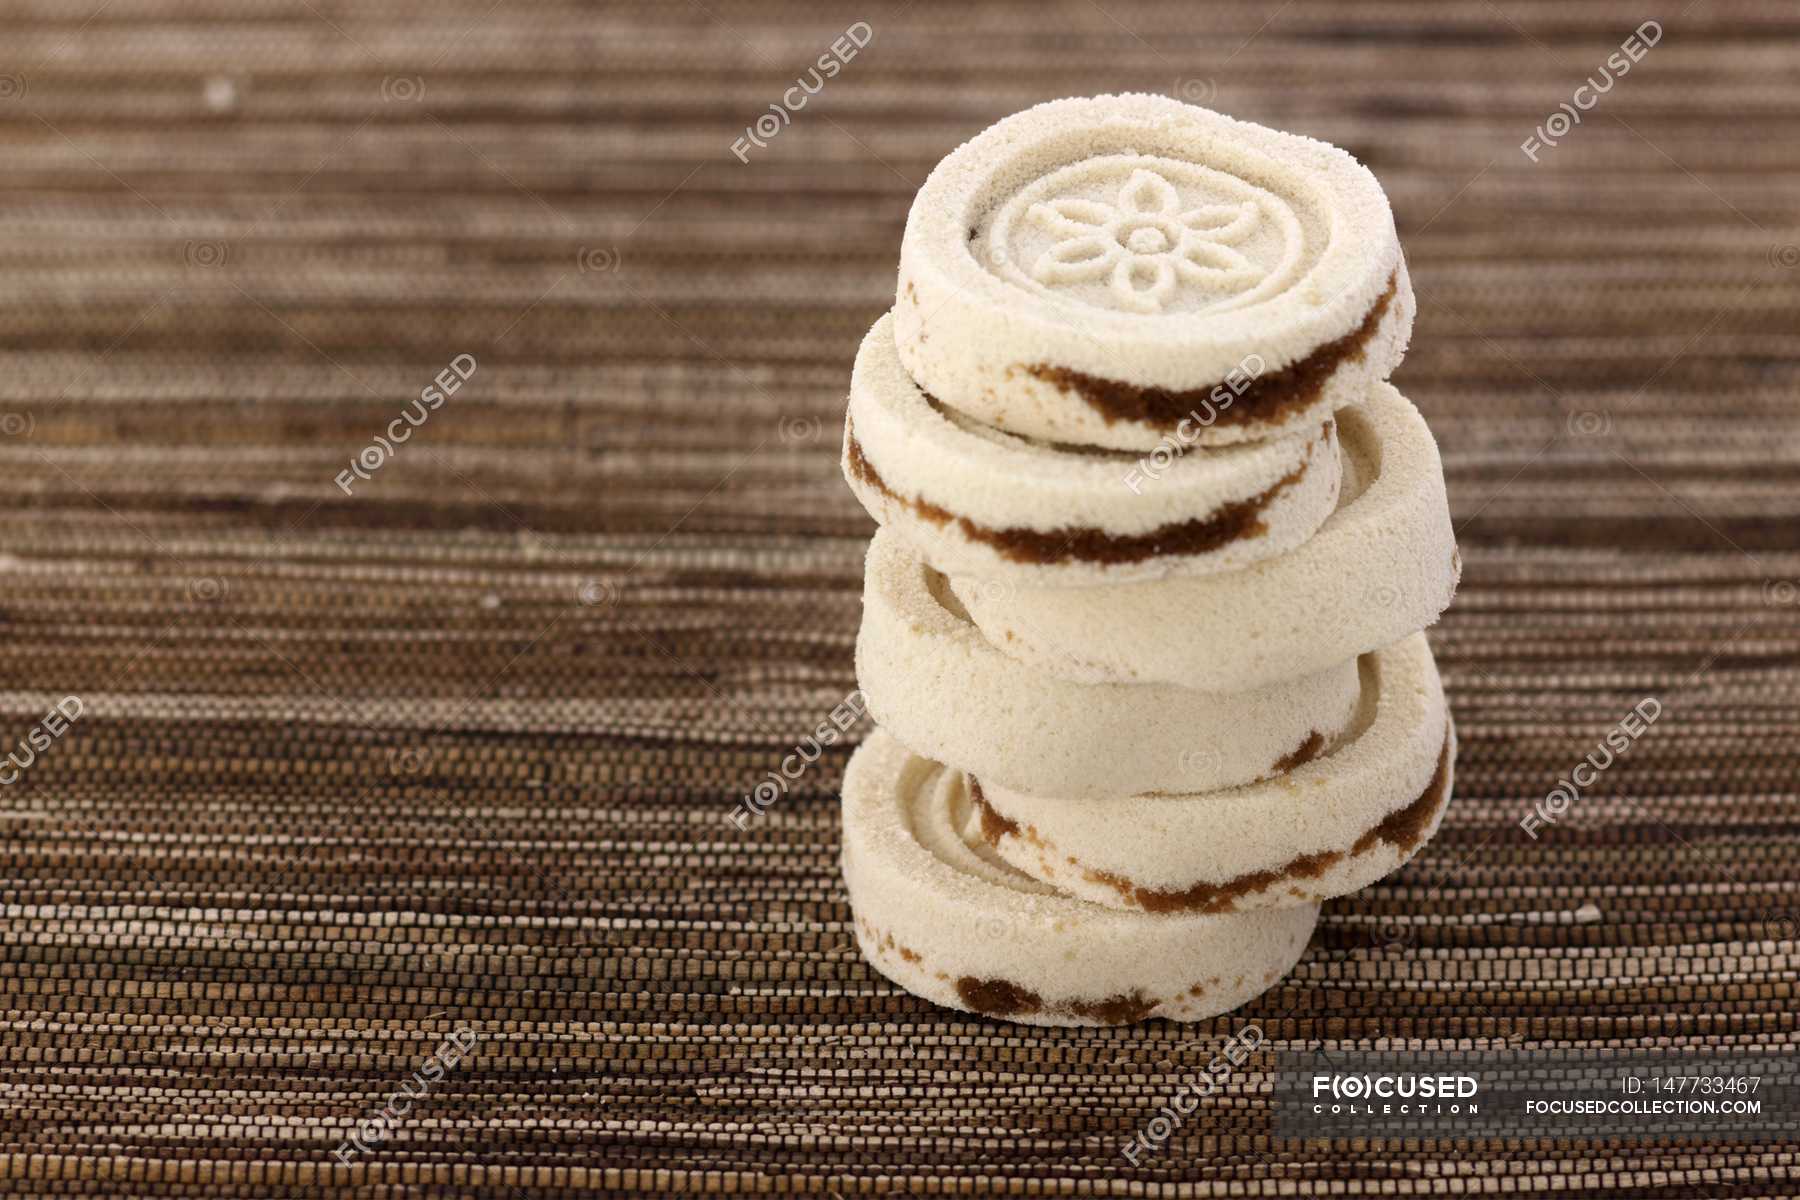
1406	1095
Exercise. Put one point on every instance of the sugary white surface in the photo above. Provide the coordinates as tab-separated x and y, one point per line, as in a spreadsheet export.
1280	245
1381	567
934	682
1172	843
1001	482
930	912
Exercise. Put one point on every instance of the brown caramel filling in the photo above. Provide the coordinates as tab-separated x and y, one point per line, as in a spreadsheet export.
1309	749
1083	543
1001	998
1268	398
994	825
997	997
1404	828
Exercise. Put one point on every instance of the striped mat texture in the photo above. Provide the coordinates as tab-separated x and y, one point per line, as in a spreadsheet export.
378	839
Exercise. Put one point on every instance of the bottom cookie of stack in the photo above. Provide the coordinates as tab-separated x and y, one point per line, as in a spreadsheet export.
939	913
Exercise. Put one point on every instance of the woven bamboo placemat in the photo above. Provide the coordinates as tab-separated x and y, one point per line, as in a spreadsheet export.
392	848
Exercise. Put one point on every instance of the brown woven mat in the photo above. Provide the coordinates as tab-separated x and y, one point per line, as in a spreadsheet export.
429	786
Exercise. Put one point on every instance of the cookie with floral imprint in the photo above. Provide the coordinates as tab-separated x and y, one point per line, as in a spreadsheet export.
1132	272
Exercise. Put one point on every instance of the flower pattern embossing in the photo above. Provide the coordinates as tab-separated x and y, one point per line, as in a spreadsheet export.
1144	245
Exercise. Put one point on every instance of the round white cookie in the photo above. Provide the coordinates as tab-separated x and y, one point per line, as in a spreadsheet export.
934	682
1382	566
1326	828
939	915
1102	270
983	503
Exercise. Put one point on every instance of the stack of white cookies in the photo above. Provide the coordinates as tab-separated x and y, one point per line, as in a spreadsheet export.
1141	624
